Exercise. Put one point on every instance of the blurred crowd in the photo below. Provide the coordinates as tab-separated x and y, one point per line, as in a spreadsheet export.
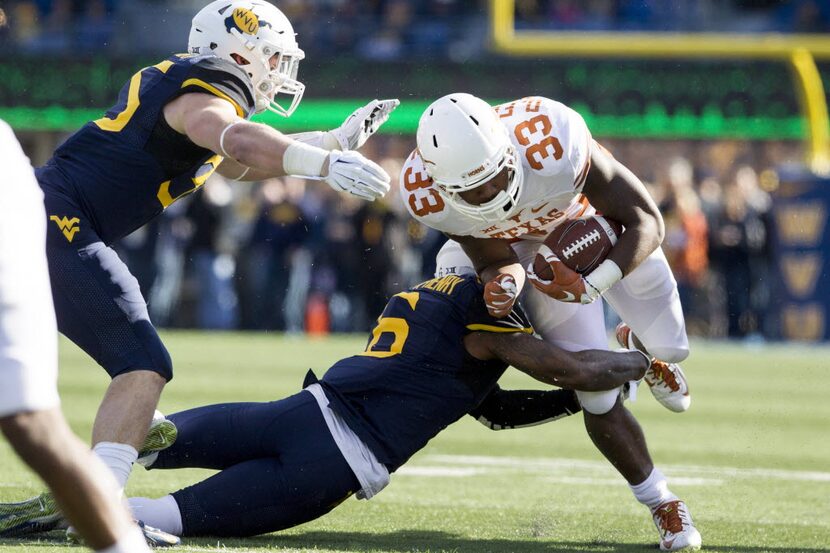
744	16
288	254
716	201
292	255
284	254
387	29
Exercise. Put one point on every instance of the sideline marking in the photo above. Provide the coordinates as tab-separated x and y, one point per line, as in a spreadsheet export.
692	474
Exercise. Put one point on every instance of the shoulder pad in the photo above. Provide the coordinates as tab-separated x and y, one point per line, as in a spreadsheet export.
552	138
213	75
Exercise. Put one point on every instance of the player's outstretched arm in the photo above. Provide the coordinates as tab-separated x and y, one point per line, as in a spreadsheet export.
257	151
618	194
355	130
505	409
588	370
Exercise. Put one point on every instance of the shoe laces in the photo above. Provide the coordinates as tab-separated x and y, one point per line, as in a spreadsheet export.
661	371
670	517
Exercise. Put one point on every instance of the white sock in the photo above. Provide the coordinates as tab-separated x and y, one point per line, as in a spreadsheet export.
131	542
162	513
654	490
119	458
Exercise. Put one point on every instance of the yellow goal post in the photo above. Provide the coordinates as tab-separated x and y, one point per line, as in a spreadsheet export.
798	50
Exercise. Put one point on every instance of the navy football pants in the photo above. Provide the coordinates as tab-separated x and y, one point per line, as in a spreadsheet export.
279	466
98	303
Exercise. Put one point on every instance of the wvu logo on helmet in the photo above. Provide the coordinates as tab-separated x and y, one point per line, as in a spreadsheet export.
243	20
68	226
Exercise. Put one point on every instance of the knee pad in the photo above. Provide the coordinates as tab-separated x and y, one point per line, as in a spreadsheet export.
153	356
670	354
598	403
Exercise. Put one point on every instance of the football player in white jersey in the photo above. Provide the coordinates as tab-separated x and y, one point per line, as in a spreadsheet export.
30	415
497	181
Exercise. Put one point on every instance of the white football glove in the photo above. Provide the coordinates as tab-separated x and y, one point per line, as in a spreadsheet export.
360	125
351	172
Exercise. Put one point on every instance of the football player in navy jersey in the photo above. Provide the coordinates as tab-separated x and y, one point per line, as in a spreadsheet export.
434	355
176	123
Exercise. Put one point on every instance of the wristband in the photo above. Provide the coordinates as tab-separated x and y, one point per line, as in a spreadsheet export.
312	138
302	160
604	277
330	142
325	140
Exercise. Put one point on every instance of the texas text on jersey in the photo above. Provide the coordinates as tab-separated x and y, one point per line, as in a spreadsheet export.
123	169
554	147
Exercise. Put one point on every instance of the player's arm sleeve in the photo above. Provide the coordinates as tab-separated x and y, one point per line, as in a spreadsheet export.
506	409
222	79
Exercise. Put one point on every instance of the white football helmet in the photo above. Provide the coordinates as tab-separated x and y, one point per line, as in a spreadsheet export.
463	144
254	30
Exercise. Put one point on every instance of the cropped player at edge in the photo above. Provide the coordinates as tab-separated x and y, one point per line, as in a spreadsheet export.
434	355
176	123
30	415
497	181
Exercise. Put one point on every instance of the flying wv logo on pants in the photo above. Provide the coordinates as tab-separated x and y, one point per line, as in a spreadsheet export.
68	226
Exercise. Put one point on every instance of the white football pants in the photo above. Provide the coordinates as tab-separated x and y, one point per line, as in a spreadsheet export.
647	300
28	333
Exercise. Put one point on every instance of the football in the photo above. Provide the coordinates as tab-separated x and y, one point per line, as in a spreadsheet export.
581	244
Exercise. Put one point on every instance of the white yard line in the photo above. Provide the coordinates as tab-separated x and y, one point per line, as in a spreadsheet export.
576	468
420	470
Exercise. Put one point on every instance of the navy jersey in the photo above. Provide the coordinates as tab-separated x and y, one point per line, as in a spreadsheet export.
125	168
416	377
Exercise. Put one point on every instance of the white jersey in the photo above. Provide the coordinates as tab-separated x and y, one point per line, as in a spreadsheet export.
28	333
554	146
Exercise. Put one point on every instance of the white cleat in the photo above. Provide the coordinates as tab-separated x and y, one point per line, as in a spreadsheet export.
668	385
677	531
154	537
666	381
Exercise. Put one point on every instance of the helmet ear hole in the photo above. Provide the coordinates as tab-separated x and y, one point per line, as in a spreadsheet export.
239	59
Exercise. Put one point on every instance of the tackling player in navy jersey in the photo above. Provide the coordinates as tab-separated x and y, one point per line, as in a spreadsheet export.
176	123
434	355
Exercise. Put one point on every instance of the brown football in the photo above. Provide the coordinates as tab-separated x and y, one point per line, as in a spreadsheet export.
581	244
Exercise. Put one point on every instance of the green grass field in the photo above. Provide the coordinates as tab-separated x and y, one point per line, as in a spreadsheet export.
751	458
